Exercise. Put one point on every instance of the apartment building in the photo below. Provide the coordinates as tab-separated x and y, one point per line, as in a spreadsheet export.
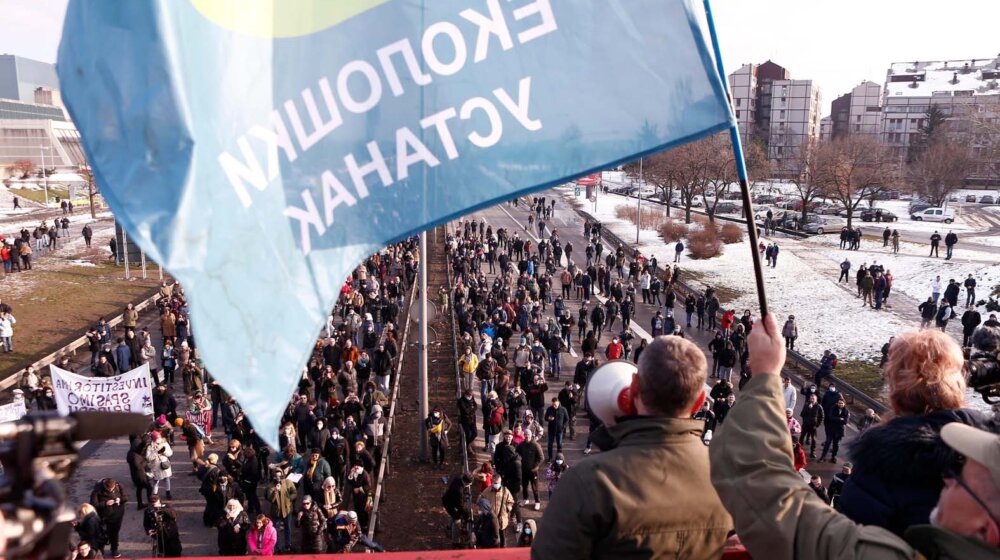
777	110
966	91
857	112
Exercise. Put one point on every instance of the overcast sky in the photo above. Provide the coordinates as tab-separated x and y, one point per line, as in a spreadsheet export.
837	43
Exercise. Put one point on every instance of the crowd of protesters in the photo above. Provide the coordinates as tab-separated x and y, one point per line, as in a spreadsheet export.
18	250
311	495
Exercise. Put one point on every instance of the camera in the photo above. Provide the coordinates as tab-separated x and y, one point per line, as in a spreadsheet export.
984	363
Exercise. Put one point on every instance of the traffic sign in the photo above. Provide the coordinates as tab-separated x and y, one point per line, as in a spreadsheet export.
576	191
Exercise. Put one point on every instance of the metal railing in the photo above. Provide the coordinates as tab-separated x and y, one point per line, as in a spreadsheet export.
383	466
71	348
794	359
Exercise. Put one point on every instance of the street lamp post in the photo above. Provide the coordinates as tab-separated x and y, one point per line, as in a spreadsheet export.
638	214
45	178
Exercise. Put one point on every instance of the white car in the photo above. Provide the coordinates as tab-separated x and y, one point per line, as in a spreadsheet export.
934	214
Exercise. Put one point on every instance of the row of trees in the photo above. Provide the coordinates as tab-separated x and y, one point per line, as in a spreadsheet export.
847	171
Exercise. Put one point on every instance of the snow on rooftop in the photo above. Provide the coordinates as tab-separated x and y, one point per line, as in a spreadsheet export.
979	76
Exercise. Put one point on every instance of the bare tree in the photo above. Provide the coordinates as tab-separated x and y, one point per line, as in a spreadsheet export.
720	171
803	170
23	167
852	169
657	171
939	170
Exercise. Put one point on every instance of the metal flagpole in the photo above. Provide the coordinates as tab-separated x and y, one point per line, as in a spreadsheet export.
124	248
741	166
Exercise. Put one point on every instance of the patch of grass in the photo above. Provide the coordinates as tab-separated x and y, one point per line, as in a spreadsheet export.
863	376
696	280
39	195
63	302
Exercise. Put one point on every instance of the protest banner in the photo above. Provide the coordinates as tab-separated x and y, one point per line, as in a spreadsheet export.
12	411
129	392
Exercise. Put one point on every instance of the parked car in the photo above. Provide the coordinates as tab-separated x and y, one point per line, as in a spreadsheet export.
827	210
934	214
727	208
953	198
868	215
820	225
793	220
918	206
986	199
970	198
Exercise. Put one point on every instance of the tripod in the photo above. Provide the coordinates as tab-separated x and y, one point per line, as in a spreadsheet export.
159	546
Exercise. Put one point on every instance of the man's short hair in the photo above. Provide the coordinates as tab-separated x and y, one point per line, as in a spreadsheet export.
672	372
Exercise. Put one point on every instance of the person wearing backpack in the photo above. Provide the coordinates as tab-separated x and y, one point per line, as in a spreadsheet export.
944	315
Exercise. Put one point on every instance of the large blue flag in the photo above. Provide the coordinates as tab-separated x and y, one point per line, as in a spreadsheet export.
261	149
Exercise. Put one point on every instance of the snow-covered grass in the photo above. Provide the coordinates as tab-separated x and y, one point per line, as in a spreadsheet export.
793	288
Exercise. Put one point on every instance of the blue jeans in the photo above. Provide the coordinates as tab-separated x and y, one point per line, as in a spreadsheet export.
948	249
485	387
554	361
555	436
878	299
284	526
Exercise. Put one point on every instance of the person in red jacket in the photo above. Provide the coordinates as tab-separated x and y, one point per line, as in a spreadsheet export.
615	350
728	318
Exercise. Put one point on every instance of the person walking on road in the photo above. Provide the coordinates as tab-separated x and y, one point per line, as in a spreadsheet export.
950	241
935	242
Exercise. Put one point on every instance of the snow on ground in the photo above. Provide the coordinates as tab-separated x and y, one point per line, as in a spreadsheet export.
76	221
913	272
793	288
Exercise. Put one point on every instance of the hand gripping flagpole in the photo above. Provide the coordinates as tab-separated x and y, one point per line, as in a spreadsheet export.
741	167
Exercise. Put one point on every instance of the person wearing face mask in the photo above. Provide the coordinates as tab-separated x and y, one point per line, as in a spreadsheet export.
751	464
356	493
216	498
501	503
437	425
555	472
336	453
526	536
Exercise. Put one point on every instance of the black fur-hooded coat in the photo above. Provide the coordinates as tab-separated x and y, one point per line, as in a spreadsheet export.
897	469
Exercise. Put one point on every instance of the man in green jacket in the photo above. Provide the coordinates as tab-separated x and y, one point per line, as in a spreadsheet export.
779	517
648	494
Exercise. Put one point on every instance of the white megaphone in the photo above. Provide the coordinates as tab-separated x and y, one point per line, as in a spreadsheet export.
608	391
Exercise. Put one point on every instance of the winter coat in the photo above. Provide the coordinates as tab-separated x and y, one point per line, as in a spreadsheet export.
531	456
836	421
790	330
232	537
812	416
751	464
138	468
91	529
100	496
282	497
606	508
158	455
266	541
313	531
897	469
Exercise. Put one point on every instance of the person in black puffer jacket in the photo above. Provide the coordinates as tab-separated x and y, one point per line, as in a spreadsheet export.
897	466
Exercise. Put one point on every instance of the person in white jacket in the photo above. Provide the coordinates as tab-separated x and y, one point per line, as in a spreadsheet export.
7	321
790	393
158	454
